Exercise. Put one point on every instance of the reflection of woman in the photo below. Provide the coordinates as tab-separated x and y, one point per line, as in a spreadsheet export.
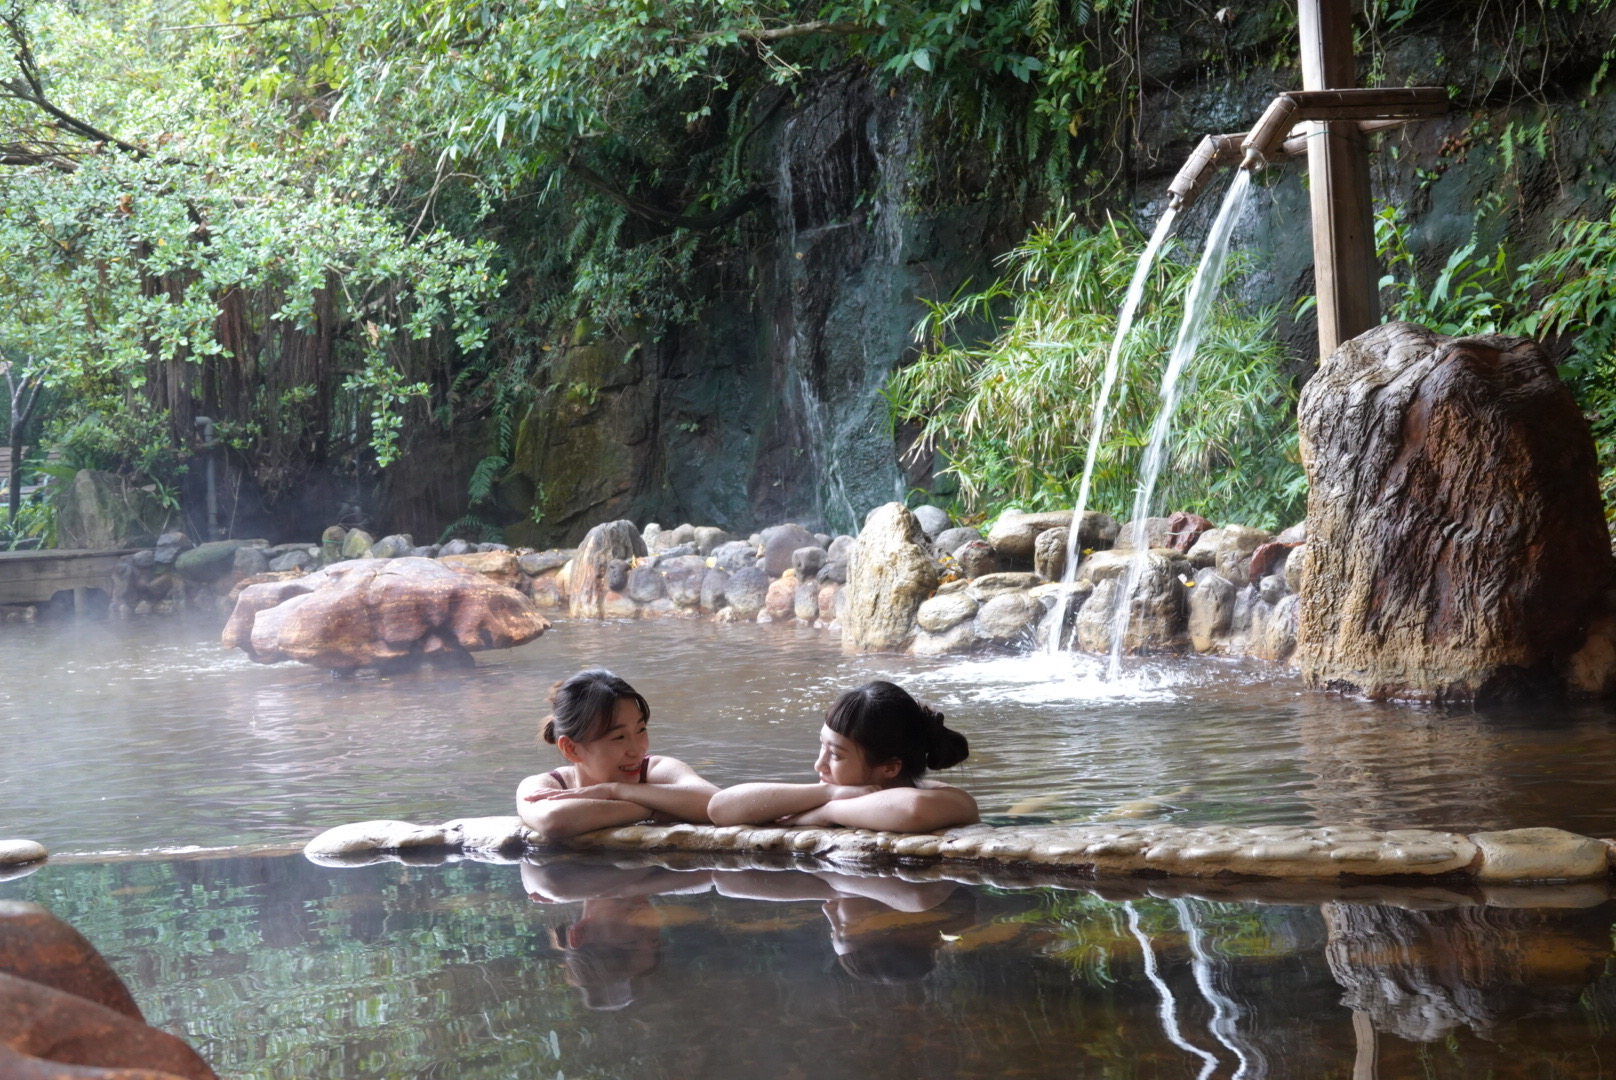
883	929
617	935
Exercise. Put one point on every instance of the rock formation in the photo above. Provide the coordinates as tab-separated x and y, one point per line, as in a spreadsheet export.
1456	542
366	612
65	1013
890	574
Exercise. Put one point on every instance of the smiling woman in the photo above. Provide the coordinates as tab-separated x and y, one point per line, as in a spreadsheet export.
599	724
876	743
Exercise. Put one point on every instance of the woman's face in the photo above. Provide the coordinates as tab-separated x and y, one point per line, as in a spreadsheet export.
842	761
617	753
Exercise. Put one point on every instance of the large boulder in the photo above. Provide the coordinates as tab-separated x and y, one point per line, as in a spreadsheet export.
210	561
745	592
101	511
65	1013
362	613
933	520
780	543
1049	553
586	584
889	575
1456	542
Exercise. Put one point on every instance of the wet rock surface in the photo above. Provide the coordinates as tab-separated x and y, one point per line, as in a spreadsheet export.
890	575
1456	539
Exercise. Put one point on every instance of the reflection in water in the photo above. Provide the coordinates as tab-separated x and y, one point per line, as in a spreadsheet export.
276	967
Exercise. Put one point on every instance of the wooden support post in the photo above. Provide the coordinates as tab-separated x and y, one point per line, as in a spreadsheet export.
1344	265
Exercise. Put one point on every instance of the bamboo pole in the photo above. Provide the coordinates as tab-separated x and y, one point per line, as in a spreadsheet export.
1338	171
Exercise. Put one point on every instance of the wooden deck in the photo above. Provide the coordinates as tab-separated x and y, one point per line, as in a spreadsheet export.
34	577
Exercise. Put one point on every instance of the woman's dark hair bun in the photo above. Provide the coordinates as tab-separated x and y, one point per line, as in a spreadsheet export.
947	747
547	730
888	723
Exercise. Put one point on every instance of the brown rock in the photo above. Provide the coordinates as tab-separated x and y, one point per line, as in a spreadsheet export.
1266	558
889	574
37	946
503	567
364	612
781	597
42	1027
1184	528
586	586
1456	540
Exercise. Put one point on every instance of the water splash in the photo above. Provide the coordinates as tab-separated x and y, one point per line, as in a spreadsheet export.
1198	305
1102	404
1040	679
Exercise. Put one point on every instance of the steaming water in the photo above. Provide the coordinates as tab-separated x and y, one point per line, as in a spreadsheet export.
1102	404
146	736
141	738
1203	290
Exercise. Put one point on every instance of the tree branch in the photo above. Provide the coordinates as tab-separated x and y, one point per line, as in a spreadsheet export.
713	220
31	90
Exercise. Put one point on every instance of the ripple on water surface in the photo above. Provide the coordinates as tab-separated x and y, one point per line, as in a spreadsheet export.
146	736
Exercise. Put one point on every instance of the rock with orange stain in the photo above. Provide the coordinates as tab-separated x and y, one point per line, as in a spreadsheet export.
378	611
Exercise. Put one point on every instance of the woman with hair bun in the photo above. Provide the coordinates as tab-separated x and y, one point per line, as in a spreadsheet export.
598	722
874	749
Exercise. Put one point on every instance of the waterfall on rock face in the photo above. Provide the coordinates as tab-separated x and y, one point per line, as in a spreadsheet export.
1197	306
1102	403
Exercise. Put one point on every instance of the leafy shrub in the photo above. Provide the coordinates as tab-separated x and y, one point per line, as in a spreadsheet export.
1010	414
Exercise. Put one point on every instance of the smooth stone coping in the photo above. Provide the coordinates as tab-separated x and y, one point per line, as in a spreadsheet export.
17	852
1102	850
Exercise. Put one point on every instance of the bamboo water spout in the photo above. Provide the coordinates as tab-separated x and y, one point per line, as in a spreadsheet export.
1267	141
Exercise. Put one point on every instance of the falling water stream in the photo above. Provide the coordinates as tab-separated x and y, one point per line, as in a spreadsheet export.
1102	403
1208	276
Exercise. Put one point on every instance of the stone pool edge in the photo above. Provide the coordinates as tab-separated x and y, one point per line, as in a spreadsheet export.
1340	854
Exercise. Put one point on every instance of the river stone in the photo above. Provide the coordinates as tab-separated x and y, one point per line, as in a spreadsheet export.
991	585
1272	588
735	555
1184	529
1007	618
1295	568
248	561
356	543
13	852
941	612
709	539
833	571
617	574
782	596
1211	609
499	566
713	585
778	544
1539	855
360	613
207	562
457	546
681	534
1049	553
1236	545
1156	534
1268	559
1457	544
544	592
807	562
840	548
391	547
682	577
1015	533
889	575
805	601
645	584
534	563
169	546
976	558
829	600
746	591
933	520
294	560
1278	638
38	947
951	540
960	638
144	559
369	837
587	583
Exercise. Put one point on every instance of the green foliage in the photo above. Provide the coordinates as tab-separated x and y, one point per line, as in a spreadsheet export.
1011	413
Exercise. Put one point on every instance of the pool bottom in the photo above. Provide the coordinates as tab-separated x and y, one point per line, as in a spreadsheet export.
598	967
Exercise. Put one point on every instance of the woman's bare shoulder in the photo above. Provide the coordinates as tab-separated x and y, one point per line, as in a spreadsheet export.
545	781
